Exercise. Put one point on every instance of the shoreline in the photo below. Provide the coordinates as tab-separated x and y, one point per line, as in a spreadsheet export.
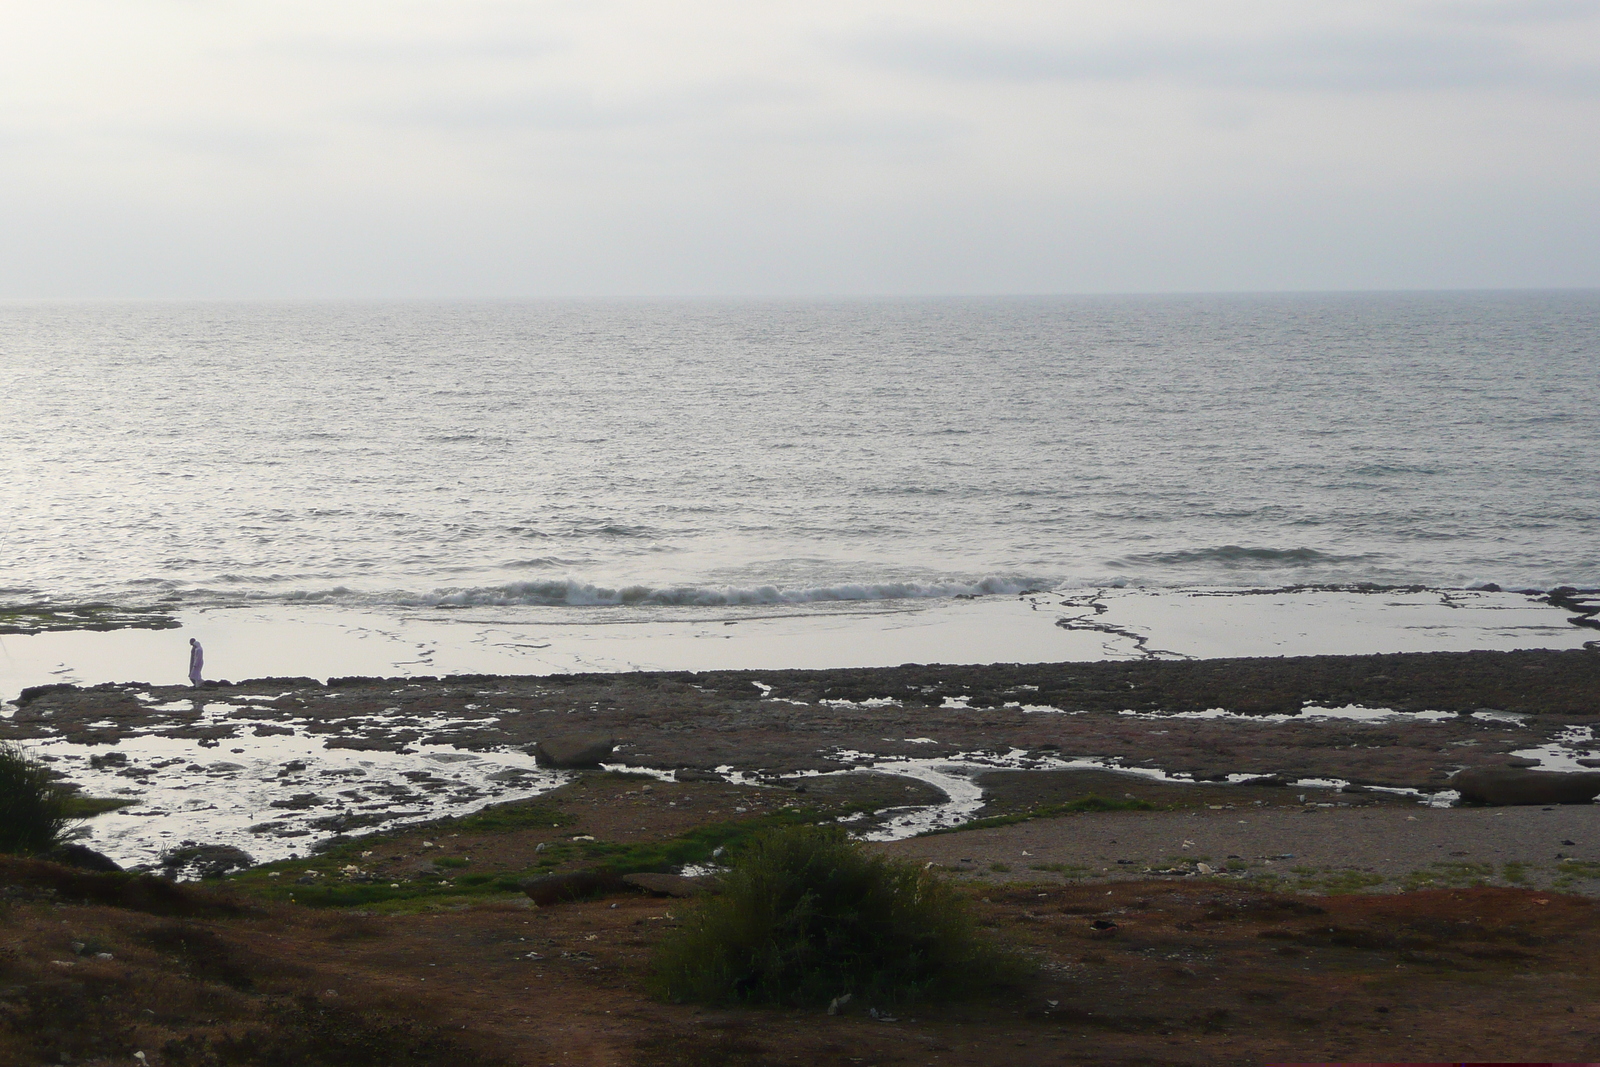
323	641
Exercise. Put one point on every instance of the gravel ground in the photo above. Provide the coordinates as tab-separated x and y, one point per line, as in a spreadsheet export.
1320	849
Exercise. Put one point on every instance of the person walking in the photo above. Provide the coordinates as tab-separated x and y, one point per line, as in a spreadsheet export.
197	662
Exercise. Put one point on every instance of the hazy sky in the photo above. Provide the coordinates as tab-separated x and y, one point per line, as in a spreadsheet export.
217	148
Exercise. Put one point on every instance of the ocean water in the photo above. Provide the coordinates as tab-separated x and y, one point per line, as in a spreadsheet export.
688	454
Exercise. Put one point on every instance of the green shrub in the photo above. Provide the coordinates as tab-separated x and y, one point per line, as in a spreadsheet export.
808	915
34	810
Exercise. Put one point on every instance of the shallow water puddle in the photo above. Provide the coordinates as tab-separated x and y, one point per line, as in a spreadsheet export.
1563	754
277	789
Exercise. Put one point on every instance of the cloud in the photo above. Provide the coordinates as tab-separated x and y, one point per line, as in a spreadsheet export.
1349	61
1513	12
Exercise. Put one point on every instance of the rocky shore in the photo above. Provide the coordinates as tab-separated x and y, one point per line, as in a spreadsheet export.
283	759
783	722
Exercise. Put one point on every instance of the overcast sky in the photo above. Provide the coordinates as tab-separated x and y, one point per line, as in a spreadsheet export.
413	148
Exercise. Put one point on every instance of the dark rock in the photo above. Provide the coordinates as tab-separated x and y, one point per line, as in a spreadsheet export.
205	861
694	774
34	692
584	750
668	885
575	885
71	855
298	802
109	759
1353	788
1520	761
343	821
1277	781
366	744
875	789
1500	786
1588	762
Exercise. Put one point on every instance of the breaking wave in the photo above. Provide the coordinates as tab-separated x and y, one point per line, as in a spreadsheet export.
1239	555
568	593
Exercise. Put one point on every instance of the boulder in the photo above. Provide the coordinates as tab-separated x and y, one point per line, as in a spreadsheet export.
575	885
668	885
72	855
1500	786
205	861
582	750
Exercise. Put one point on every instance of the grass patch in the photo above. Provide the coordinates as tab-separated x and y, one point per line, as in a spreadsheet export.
1071	870
1089	803
1570	872
79	807
1333	882
499	818
1448	875
807	916
335	889
34	810
1515	873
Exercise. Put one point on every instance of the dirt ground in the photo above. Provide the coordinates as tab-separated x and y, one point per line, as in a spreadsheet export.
1189	974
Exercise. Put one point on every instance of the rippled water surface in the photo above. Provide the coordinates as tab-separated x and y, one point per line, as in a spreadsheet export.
697	453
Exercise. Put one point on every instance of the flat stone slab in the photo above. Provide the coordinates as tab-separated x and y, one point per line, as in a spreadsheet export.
668	885
1510	785
582	750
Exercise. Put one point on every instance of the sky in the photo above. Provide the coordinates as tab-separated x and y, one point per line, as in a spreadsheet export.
218	149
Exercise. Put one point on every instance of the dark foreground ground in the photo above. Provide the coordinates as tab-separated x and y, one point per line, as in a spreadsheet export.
414	948
1194	973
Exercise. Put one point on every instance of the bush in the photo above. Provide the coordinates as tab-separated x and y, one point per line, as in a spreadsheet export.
34	810
808	915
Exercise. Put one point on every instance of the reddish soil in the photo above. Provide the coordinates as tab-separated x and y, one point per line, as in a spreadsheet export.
1192	974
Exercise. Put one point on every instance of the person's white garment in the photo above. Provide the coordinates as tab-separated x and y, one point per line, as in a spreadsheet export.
197	660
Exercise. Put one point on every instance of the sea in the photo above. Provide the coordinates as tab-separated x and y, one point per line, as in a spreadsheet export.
654	459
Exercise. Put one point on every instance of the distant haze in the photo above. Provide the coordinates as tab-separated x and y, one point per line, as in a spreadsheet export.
175	149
